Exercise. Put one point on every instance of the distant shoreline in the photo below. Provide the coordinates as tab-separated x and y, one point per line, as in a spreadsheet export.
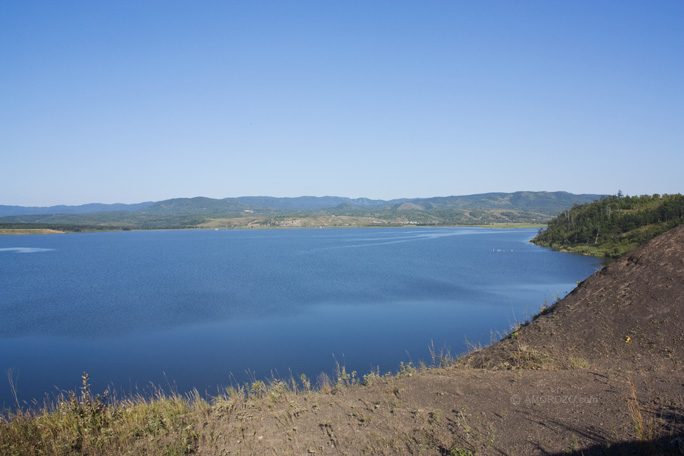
23	231
33	231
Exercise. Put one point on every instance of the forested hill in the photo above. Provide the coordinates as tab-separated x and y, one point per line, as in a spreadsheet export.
547	203
301	212
613	225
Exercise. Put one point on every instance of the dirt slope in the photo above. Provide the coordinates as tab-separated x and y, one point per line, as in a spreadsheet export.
600	372
628	315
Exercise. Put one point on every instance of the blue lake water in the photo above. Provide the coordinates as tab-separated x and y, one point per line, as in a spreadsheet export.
202	309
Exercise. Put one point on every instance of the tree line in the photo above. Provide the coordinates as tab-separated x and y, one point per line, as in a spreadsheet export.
613	225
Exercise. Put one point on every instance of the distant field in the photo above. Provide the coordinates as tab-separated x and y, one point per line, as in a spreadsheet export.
304	222
515	225
5	231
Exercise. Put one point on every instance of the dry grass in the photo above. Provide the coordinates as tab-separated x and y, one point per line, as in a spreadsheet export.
84	423
645	428
166	422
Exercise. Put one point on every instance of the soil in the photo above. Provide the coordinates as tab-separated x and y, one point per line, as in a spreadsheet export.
599	372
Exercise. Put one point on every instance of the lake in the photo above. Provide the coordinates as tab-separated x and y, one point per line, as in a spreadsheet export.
204	309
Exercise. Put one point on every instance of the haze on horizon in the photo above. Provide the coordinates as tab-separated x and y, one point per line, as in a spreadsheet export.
132	101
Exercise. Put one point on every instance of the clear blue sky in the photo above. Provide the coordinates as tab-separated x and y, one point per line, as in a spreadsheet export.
130	101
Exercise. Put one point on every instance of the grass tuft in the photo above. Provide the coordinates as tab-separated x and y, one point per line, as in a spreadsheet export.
646	429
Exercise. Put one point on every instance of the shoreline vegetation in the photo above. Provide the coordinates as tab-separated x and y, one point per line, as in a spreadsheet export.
164	421
613	225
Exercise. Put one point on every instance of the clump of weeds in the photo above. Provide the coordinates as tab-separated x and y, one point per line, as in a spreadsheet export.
85	423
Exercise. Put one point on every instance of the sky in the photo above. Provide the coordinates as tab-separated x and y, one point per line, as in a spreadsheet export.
129	101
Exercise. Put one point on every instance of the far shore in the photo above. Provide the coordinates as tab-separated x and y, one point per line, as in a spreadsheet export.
10	231
26	231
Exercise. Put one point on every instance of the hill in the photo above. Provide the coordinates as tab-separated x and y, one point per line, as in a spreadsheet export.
180	205
629	316
546	203
270	212
309	203
612	225
6	211
598	373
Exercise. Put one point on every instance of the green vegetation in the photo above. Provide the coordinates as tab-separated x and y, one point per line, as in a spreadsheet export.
487	209
614	225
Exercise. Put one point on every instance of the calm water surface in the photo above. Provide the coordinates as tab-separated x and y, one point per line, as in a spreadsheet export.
202	309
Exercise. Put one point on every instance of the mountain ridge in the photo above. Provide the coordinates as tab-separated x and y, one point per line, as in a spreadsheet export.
479	200
303	212
10	210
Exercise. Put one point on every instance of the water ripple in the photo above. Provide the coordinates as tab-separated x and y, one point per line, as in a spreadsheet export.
25	250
